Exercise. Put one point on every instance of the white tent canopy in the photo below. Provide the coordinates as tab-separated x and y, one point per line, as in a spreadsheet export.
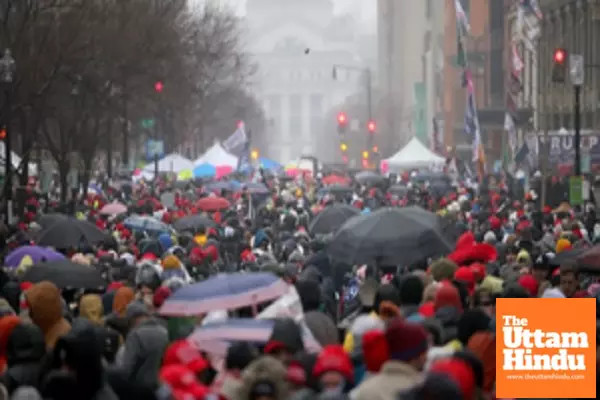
173	162
415	155
217	156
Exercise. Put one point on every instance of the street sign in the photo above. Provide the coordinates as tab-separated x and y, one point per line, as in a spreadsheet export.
147	123
154	148
576	190
576	69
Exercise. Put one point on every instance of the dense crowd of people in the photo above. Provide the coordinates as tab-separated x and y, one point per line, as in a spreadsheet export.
420	330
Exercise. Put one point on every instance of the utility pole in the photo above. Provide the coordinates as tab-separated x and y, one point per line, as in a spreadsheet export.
576	69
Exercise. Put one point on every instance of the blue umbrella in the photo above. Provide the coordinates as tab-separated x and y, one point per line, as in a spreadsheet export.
271	165
223	185
253	187
204	171
142	223
224	292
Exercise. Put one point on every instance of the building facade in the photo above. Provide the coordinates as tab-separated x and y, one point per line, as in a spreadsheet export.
488	55
410	59
295	46
575	26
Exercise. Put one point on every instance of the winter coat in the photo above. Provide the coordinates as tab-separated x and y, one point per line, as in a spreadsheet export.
46	311
264	369
143	351
322	327
25	350
393	378
448	317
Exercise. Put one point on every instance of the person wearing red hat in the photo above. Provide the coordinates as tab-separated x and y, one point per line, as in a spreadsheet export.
460	372
334	369
408	344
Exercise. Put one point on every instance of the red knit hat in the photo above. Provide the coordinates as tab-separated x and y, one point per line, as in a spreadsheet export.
459	371
333	358
406	341
529	283
375	350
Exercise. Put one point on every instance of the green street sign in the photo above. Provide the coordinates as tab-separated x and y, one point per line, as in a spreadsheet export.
147	123
576	190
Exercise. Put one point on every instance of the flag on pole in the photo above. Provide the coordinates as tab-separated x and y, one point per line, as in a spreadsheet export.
237	138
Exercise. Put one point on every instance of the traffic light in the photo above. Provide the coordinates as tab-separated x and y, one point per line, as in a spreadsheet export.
345	159
343	147
371	126
159	86
559	66
342	121
254	154
365	155
375	149
365	163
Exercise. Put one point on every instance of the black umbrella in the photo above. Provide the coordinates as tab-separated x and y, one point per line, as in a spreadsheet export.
193	222
368	177
47	220
331	218
71	232
65	274
390	236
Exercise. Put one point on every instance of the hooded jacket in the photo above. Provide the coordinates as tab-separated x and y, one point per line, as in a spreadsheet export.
143	352
25	350
265	369
46	311
91	308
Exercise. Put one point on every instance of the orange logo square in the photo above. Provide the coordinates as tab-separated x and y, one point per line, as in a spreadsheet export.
546	348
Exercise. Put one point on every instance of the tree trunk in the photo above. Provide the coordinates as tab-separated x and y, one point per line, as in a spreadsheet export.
63	171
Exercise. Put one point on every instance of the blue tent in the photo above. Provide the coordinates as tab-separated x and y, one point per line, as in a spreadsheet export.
204	171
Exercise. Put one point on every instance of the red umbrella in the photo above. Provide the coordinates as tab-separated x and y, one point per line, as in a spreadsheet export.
213	204
335	180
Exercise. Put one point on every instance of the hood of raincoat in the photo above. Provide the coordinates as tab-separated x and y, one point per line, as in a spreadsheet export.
46	311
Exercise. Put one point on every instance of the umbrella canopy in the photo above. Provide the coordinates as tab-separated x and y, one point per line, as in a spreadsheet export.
143	223
47	220
216	338
211	204
231	186
113	209
258	188
71	232
335	189
36	253
332	218
390	236
65	274
204	171
193	222
368	177
229	292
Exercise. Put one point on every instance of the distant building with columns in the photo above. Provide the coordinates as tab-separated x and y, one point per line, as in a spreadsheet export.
295	45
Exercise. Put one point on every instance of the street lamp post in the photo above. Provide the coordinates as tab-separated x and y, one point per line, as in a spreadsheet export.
7	71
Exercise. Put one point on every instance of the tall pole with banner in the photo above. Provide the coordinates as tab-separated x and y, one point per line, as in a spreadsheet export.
576	70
